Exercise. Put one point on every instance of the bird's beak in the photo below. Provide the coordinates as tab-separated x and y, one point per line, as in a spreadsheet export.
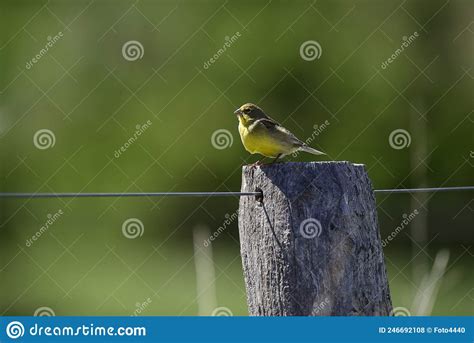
237	111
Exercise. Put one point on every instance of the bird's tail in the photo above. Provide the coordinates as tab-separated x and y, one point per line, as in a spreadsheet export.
306	148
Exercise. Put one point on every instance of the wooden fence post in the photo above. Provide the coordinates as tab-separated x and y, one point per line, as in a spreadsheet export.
312	245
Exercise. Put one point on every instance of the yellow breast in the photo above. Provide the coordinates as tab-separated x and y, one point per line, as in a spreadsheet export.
261	143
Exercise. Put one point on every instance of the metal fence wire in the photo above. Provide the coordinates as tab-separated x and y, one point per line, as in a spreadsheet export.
209	194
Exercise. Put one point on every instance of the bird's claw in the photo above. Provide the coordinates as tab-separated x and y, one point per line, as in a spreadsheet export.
256	164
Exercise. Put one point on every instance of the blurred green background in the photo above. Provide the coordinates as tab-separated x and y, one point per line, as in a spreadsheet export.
91	95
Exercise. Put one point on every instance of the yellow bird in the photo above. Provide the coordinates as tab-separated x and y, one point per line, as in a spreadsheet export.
262	135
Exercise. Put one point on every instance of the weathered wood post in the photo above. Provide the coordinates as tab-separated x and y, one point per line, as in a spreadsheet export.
312	245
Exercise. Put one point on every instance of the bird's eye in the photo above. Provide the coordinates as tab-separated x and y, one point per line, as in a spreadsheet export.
247	110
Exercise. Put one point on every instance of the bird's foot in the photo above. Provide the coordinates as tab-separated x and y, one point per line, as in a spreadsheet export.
256	164
276	159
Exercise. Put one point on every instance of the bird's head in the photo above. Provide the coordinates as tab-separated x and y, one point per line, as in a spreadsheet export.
248	113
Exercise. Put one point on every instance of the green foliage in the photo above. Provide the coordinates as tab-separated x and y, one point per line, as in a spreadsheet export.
92	99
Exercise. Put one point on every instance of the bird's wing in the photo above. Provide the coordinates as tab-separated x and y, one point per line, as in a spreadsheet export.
267	122
276	128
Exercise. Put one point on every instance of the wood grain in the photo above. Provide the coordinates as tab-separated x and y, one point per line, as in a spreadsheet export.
312	247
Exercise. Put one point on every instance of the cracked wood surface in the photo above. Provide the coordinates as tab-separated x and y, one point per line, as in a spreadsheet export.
313	246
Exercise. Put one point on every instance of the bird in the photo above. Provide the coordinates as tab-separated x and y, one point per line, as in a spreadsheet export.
262	135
